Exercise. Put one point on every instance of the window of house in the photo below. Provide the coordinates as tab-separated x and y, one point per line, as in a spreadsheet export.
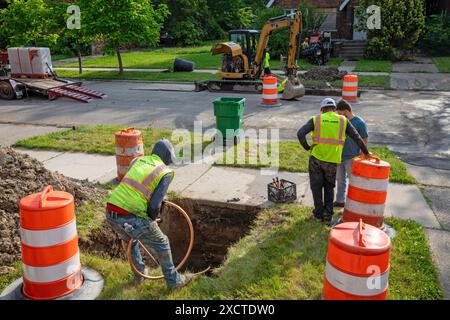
330	22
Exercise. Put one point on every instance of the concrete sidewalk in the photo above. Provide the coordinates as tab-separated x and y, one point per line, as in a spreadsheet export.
200	181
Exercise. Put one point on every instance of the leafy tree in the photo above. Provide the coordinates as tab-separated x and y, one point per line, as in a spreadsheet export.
436	38
231	14
122	22
29	23
255	4
312	19
402	23
75	41
190	21
246	17
279	40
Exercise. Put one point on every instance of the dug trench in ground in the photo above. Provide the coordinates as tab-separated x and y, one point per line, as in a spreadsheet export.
217	226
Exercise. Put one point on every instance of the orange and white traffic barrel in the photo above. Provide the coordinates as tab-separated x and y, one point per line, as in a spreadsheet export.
350	88
49	240
129	146
270	92
357	266
367	191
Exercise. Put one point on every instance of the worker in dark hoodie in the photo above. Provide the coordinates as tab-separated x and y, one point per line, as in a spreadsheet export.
134	206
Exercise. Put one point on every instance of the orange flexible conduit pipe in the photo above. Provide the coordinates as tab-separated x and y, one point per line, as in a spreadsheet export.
183	261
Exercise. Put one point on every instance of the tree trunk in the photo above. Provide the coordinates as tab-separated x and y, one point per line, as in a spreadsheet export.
80	67
119	56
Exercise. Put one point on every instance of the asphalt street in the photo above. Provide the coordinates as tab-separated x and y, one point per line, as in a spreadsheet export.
415	124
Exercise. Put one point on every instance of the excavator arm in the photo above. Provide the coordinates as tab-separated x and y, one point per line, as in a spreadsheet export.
292	21
245	74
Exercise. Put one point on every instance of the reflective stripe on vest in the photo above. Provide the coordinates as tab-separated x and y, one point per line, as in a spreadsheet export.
138	187
318	129
152	176
358	286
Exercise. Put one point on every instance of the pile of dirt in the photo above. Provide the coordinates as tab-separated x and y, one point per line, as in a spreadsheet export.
325	74
21	175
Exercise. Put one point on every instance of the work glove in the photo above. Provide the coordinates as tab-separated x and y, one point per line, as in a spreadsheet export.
364	156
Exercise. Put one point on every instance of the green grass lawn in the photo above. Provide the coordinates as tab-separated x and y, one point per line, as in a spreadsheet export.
137	75
89	139
367	65
100	140
56	57
442	63
164	58
158	58
292	157
372	82
283	257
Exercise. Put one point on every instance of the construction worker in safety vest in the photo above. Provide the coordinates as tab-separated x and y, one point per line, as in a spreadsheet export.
282	85
266	65
135	204
328	131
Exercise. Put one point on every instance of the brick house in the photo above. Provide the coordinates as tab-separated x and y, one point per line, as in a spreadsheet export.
340	16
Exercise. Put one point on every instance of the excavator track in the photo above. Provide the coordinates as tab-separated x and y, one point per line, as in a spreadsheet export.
253	86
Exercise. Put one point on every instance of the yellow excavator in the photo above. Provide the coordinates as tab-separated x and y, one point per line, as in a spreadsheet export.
243	54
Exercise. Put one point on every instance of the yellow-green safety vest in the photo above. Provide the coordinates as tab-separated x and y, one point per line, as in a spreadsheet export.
136	188
282	85
329	137
266	60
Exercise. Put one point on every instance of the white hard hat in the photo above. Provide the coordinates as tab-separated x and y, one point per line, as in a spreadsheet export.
328	102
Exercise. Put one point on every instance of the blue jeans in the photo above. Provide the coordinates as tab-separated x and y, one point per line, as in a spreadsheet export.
148	232
343	171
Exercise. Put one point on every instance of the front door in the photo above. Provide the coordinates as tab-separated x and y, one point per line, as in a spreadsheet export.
357	35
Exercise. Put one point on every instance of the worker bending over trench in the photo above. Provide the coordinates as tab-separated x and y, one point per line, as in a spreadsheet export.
134	206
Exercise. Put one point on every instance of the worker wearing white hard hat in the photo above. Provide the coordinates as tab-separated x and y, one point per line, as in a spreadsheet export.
328	131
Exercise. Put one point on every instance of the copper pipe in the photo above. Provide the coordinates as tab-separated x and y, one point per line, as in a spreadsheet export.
186	256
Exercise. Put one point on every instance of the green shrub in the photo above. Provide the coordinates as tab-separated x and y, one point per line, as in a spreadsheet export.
402	24
436	39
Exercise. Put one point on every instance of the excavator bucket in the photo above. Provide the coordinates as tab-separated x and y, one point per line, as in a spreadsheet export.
293	90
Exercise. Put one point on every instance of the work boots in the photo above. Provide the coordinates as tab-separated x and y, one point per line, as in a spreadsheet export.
138	279
185	280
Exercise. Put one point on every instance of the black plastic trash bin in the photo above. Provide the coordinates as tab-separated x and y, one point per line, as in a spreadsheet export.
181	65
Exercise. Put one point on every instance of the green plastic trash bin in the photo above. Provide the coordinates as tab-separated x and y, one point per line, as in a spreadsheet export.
229	112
